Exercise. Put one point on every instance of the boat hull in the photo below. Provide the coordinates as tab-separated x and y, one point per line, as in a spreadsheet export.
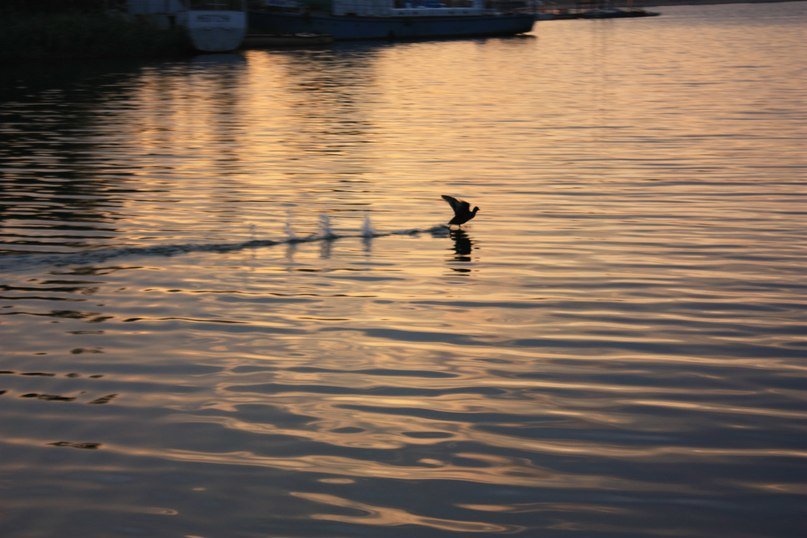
414	27
215	31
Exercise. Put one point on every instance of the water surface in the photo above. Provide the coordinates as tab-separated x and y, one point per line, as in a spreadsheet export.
614	347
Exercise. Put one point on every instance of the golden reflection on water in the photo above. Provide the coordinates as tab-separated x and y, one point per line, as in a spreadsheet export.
385	516
620	326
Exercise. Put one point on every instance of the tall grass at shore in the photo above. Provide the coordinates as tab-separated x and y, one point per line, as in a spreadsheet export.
82	34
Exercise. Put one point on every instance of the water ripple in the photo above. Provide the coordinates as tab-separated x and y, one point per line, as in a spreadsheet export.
222	311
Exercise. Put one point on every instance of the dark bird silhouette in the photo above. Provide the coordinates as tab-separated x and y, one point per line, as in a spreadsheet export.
462	210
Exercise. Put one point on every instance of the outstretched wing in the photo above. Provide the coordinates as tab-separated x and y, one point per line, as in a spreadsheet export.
456	205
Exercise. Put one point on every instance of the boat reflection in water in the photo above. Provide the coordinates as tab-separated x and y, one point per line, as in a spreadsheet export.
386	19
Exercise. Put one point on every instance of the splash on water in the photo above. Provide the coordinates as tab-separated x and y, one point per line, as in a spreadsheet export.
325	234
325	229
290	235
367	233
367	227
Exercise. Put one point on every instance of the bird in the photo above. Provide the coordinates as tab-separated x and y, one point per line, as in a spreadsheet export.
462	210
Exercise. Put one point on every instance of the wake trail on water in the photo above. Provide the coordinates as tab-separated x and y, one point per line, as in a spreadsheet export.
326	233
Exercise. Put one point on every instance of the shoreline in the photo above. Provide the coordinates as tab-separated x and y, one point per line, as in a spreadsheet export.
661	3
638	4
71	34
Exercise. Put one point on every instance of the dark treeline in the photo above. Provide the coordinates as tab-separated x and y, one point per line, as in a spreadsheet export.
60	6
63	29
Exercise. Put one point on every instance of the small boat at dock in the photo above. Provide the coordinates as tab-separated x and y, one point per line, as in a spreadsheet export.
588	9
616	13
258	41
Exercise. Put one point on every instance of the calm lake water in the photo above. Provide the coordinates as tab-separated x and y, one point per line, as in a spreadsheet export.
614	347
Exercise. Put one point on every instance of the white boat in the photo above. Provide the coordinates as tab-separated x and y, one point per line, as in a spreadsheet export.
212	25
215	26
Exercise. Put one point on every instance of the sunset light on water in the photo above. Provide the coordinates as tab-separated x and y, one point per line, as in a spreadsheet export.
229	308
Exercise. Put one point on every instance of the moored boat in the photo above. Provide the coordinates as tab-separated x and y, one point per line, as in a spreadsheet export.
215	26
589	9
386	19
616	13
255	41
211	25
